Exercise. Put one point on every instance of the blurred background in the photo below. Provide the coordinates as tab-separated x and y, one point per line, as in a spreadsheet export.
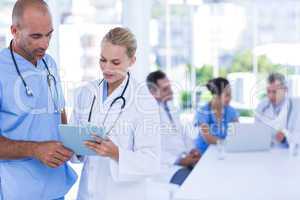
191	40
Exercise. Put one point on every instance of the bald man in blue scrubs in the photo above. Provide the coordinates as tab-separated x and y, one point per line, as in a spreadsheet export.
32	160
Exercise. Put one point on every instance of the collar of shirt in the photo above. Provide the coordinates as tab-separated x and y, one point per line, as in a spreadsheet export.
22	63
164	105
212	114
104	91
116	93
278	107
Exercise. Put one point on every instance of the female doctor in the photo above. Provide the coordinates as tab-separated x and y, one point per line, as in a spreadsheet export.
129	115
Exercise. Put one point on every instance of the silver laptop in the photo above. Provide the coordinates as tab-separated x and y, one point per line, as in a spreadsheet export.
248	137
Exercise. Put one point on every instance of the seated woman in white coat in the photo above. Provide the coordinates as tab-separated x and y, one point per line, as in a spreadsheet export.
129	115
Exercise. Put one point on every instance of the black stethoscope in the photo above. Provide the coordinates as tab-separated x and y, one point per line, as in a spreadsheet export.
119	98
50	78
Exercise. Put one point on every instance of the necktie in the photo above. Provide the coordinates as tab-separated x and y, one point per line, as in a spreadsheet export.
167	109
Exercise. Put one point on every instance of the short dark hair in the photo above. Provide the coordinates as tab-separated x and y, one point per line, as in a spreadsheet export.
153	77
277	77
217	85
21	5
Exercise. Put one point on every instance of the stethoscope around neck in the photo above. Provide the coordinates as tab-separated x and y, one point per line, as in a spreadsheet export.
119	98
50	78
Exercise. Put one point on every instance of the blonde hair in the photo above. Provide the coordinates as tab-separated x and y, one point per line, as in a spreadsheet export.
122	37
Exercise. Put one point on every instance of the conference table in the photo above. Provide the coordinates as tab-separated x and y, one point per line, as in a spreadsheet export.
268	175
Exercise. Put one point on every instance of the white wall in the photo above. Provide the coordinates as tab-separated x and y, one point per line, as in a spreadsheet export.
140	27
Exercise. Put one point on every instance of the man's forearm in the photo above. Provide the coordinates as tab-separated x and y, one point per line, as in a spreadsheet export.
12	149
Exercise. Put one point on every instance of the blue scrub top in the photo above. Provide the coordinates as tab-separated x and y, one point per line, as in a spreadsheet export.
205	115
30	119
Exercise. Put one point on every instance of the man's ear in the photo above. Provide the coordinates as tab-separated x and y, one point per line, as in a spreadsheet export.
13	30
132	60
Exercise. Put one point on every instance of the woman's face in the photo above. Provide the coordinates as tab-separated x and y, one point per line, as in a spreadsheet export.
114	62
226	96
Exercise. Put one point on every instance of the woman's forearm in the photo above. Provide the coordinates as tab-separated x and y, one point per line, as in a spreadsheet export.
210	139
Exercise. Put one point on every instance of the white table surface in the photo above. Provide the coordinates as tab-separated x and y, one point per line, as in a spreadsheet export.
273	175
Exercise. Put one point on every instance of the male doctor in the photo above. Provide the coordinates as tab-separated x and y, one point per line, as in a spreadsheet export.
178	155
32	161
279	111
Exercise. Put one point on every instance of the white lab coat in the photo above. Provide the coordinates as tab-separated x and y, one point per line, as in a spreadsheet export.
176	139
286	120
136	134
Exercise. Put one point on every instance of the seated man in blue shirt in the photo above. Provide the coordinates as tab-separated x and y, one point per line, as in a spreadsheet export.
32	160
213	118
